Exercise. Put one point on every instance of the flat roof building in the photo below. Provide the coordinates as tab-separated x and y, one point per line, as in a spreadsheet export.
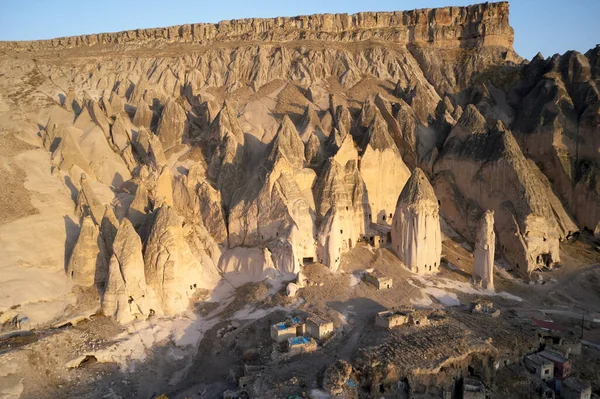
293	327
541	367
301	344
317	327
392	318
377	279
562	365
574	388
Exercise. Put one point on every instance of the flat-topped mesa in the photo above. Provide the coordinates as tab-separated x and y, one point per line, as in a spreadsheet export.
479	24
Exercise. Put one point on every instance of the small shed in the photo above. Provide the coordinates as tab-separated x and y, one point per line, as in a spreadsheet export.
377	279
574	388
301	344
541	367
392	318
293	327
317	327
562	365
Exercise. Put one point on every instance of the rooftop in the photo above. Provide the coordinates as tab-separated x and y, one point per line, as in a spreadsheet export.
553	356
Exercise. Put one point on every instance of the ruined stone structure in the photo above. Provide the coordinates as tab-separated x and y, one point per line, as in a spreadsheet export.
416	235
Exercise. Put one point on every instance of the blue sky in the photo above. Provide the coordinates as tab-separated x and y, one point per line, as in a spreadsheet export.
548	26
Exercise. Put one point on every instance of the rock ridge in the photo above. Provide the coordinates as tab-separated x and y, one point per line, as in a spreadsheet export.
471	26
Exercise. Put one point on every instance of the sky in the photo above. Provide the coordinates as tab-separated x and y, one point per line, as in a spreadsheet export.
546	26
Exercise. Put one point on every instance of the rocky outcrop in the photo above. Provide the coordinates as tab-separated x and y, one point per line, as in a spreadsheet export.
171	269
382	170
416	233
335	377
89	261
449	27
126	295
482	167
483	255
172	125
556	124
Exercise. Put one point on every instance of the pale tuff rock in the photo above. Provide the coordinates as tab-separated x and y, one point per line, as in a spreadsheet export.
99	117
226	163
185	197
164	186
416	234
67	153
254	263
291	289
336	236
367	113
382	170
212	212
287	144
143	115
277	203
565	142
287	256
311	125
448	27
312	150
139	206
301	280
89	261
172	125
128	253
150	149
107	166
71	103
120	132
171	269
402	128
114	300
487	167
88	203
109	227
485	246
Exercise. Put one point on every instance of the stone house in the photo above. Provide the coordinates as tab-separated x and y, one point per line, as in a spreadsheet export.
293	327
318	327
539	366
562	365
301	344
377	279
392	318
574	388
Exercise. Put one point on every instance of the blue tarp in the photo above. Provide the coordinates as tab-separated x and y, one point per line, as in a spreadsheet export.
296	320
281	326
298	340
351	383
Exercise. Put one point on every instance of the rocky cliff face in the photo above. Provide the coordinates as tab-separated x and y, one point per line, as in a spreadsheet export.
443	27
249	147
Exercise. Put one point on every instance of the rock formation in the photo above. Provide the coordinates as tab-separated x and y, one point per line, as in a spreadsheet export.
382	170
483	255
171	269
483	165
260	145
416	235
89	261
